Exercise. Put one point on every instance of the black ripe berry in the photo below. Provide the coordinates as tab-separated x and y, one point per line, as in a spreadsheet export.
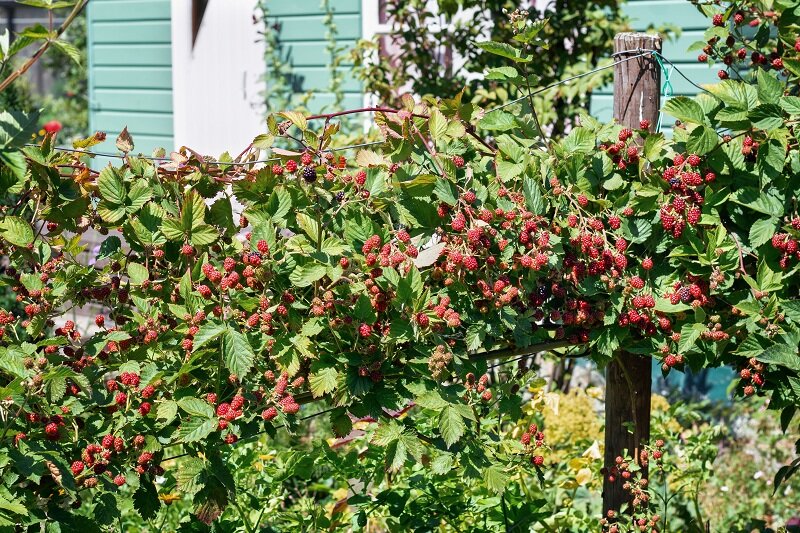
340	196
309	174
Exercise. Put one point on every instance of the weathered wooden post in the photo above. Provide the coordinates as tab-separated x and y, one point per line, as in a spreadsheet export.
637	90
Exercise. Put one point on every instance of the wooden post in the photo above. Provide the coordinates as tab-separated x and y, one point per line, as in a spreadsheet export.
637	91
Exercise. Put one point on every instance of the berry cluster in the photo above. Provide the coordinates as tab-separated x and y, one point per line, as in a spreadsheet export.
480	389
752	377
533	441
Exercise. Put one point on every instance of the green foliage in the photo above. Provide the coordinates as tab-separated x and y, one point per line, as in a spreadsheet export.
439	48
381	286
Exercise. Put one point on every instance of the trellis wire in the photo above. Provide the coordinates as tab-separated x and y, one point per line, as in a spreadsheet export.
666	89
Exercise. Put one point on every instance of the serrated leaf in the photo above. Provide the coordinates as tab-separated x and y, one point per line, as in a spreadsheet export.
790	104
16	128
770	88
369	158
323	381
685	109
702	140
193	211
437	124
498	121
451	425
109	246
189	475
124	141
689	335
504	50
137	273
167	411
196	407
17	231
208	332
762	231
495	478
767	116
295	118
145	500
341	424
111	186
204	235
305	275
237	352
196	429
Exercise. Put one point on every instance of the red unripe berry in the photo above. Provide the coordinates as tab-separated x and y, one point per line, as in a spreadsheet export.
644	124
723	75
647	263
538	460
291	165
99	320
187	250
77	467
365	330
119	480
458	161
718	20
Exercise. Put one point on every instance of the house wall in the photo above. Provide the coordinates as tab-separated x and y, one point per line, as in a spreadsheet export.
677	13
130	71
218	82
302	36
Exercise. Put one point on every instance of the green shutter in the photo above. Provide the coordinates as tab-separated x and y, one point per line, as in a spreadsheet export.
644	14
303	45
130	72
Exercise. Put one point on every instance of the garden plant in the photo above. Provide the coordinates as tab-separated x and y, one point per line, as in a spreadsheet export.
333	339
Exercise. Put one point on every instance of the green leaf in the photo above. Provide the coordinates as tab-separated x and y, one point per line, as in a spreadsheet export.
137	273
762	230
139	195
193	211
196	407
145	500
16	128
790	104
451	425
495	478
497	121
109	246
172	230
17	231
305	275
323	381
341	424
685	109
533	196
504	50
196	429
204	235
767	116
189	475
208	332
437	123
580	140
781	355
167	411
238	353
111	186
702	140
770	88
689	335
295	118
